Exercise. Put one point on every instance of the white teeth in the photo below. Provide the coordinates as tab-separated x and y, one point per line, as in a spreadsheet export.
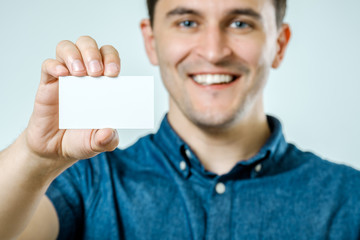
208	79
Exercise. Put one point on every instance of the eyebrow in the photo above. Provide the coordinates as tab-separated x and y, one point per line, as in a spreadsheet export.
239	11
245	11
182	11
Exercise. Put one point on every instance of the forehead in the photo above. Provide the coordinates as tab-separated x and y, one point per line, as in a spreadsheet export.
216	7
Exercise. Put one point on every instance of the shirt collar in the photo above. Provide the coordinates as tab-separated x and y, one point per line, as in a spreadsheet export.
178	151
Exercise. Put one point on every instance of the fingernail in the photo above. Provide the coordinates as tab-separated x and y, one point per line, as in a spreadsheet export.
77	66
108	140
115	133
94	66
111	68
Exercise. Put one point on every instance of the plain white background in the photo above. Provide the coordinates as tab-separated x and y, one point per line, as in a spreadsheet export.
314	93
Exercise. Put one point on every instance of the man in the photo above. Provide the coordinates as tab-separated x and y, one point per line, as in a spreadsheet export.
218	168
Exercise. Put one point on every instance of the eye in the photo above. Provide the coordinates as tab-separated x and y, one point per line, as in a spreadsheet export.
188	24
239	24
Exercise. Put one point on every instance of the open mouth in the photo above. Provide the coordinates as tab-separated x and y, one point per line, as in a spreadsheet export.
214	79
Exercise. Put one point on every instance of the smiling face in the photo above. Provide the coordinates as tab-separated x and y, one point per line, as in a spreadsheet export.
215	56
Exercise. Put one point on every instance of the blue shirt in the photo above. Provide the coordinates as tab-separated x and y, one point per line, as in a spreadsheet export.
158	189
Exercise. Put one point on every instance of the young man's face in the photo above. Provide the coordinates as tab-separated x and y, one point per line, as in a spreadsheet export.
215	56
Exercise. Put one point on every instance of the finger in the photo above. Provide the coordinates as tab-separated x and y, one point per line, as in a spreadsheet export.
68	53
111	60
104	140
85	143
51	70
91	55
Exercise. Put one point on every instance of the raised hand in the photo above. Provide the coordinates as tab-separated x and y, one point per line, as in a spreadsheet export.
43	137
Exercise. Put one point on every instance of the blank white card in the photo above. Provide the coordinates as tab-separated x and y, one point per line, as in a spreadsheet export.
123	102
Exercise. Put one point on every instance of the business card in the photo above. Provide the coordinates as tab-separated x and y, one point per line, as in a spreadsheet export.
124	102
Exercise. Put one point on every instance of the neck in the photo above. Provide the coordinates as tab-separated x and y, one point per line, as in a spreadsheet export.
220	150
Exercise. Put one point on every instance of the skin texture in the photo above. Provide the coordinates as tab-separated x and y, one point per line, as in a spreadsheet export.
43	151
218	122
226	122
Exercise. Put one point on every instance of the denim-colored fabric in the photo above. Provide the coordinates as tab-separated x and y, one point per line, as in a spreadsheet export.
157	189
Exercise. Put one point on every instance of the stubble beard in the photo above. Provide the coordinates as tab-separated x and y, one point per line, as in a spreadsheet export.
214	121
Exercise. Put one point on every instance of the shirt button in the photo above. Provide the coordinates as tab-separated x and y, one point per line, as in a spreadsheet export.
220	188
182	165
258	167
188	153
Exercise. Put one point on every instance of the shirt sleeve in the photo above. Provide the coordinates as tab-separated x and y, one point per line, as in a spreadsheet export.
66	193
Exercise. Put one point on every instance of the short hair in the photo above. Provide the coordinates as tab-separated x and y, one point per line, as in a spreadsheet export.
280	10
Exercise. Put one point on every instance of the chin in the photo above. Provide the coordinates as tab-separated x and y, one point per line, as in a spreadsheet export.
213	121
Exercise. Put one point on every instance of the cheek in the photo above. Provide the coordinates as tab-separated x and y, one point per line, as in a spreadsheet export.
171	50
249	51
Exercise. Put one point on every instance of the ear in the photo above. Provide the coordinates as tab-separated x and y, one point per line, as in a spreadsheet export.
149	40
282	43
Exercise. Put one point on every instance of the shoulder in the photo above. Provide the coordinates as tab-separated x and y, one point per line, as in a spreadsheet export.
326	175
321	165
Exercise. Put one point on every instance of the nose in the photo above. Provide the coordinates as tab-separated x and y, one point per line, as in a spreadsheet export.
213	45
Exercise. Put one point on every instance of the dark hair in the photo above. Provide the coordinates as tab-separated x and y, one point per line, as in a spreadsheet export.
280	6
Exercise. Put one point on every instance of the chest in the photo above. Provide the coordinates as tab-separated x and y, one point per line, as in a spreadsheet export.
154	207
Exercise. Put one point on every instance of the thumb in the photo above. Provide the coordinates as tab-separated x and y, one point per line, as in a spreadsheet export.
103	140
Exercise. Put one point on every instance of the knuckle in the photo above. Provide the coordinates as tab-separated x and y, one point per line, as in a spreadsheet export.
91	53
46	63
109	49
62	44
84	38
